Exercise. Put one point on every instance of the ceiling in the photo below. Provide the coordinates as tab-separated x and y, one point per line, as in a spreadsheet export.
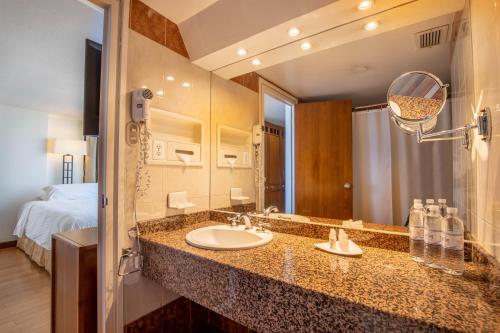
362	70
43	53
179	11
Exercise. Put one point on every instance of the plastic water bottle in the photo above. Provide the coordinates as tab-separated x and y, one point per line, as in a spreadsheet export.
452	235
432	237
417	215
442	207
428	203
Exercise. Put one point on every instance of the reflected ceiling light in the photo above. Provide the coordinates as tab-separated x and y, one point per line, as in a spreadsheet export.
370	26
169	78
293	32
365	4
305	46
186	84
256	62
242	52
359	69
159	93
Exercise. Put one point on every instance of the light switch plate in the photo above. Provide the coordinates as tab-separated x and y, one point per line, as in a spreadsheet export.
132	133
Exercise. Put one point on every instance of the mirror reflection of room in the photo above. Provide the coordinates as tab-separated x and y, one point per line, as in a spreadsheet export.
331	145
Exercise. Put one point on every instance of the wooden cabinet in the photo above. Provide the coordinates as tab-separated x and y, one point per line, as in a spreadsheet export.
74	281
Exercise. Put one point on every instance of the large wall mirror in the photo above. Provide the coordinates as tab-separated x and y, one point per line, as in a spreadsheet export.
328	147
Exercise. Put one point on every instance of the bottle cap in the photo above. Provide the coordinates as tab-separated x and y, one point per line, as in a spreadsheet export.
417	201
429	201
442	201
434	208
452	210
419	206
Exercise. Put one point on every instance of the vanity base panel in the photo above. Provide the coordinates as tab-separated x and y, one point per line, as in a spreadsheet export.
184	316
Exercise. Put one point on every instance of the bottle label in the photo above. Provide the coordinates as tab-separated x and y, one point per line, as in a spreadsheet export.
453	241
416	233
432	236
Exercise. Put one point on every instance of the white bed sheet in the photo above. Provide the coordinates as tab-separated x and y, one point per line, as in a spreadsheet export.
38	220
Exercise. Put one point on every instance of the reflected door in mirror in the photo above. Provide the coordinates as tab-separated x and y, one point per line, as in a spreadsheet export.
274	146
323	159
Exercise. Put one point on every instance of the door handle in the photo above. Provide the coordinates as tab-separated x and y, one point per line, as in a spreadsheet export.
347	186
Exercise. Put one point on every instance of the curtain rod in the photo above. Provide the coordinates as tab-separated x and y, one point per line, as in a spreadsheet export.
369	107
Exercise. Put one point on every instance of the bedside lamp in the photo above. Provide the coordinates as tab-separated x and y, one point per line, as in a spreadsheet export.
68	148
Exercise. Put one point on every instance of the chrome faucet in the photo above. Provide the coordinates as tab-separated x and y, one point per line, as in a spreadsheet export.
237	219
270	209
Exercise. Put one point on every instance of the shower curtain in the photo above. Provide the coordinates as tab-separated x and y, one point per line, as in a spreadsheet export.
390	168
372	190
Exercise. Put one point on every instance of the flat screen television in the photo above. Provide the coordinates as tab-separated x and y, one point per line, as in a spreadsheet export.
92	88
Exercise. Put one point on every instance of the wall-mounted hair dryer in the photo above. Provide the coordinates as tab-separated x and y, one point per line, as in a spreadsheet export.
140	104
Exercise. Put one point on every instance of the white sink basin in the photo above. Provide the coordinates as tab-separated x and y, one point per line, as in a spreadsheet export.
225	237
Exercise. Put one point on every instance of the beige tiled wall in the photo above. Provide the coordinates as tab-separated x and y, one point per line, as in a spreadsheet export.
148	65
475	85
235	106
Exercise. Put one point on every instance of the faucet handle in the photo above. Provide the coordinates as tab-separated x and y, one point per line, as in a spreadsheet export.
234	220
261	225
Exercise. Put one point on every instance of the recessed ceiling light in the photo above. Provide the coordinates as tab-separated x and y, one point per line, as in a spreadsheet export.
242	52
370	26
170	78
293	32
305	46
186	84
365	4
256	62
159	93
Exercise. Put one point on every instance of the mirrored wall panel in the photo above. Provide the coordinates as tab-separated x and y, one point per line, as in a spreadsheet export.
329	147
234	114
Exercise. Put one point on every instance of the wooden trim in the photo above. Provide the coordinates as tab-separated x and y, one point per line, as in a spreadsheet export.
52	287
248	80
5	245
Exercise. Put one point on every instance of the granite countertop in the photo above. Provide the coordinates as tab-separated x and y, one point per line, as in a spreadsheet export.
289	285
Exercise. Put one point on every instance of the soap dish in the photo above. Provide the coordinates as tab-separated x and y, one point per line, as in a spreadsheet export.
354	249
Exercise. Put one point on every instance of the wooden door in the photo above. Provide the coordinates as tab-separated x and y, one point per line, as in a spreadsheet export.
274	167
323	159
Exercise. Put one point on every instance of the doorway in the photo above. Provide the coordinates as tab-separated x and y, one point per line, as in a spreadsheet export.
50	170
278	154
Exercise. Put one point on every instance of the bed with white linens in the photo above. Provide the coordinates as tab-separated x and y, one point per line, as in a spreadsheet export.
61	208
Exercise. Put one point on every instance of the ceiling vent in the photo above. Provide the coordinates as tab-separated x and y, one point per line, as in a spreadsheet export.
432	37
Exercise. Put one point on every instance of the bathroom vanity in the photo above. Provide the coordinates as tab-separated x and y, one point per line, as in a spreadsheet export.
289	286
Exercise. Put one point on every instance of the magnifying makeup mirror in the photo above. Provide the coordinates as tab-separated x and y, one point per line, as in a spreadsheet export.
415	101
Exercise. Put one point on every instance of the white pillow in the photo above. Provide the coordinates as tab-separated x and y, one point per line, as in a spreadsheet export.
70	192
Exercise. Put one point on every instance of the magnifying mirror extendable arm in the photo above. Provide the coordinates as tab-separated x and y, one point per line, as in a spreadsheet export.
415	101
483	125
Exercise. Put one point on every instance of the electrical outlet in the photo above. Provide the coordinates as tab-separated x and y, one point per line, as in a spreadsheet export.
158	150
